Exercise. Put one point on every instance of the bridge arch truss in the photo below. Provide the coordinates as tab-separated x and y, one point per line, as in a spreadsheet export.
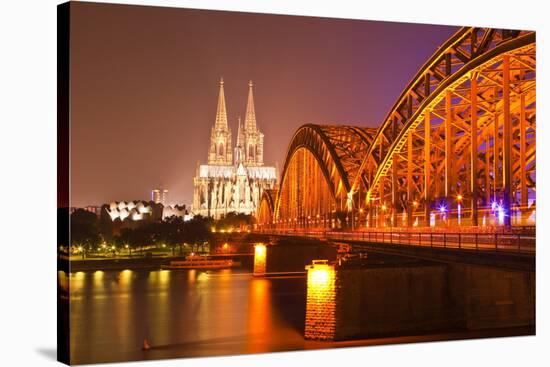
457	148
321	163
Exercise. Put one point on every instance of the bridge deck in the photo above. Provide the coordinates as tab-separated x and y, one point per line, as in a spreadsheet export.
510	250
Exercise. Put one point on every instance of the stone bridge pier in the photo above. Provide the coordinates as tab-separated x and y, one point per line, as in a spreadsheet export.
351	301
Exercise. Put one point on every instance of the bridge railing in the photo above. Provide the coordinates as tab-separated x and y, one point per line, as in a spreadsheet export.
519	242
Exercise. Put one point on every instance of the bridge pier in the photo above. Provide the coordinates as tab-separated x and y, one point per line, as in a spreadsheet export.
321	301
260	254
390	297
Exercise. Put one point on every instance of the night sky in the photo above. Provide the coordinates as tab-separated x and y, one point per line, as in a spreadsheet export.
144	84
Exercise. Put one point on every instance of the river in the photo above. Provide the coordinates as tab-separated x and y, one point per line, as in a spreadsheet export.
192	313
185	313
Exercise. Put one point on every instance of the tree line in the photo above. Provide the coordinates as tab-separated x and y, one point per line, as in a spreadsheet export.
89	233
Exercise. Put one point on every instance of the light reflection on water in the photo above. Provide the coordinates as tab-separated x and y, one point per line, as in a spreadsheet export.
182	314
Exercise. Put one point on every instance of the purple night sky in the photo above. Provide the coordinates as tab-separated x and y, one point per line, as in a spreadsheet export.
144	84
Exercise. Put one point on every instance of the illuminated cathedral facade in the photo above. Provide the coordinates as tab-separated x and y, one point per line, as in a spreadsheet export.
234	178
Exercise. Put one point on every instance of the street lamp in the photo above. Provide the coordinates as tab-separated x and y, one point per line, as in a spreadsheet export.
459	199
443	211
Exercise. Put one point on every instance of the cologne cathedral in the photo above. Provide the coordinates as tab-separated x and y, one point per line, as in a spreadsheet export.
235	177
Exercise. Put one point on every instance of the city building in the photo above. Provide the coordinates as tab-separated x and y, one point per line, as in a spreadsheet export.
93	209
234	177
133	211
117	215
176	211
159	195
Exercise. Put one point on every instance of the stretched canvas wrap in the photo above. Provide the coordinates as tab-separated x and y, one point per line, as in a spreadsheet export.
234	183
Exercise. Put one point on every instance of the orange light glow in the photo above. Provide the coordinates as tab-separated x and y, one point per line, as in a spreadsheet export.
259	259
319	278
321	301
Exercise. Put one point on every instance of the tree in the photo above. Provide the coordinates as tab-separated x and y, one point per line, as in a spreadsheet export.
126	238
84	230
235	220
198	231
172	231
106	224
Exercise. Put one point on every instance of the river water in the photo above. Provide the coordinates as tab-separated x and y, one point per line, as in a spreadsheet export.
184	313
192	313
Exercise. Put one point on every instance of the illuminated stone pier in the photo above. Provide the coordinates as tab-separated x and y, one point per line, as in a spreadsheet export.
321	301
381	296
260	253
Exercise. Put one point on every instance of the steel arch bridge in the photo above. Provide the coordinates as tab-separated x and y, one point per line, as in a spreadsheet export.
457	148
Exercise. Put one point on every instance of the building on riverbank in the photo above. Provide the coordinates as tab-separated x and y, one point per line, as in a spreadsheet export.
118	215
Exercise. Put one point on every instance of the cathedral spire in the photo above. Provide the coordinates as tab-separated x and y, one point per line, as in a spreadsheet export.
240	144
250	118
220	152
240	136
221	113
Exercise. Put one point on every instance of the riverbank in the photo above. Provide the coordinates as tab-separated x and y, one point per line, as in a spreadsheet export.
137	263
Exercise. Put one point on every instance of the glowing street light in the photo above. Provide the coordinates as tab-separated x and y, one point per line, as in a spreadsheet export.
459	199
443	211
501	214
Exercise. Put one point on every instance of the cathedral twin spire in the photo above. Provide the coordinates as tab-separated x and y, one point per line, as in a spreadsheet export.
249	147
250	119
221	113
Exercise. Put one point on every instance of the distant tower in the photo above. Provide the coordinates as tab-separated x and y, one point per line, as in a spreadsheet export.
220	152
159	196
253	138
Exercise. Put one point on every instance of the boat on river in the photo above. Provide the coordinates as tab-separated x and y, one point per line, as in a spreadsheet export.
199	262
